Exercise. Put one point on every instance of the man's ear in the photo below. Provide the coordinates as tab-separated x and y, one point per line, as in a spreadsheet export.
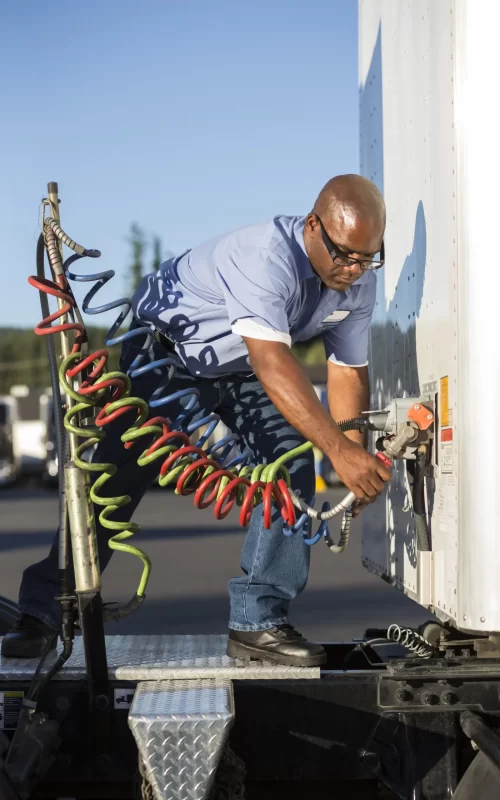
311	222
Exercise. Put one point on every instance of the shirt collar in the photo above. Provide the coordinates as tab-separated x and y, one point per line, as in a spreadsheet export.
304	267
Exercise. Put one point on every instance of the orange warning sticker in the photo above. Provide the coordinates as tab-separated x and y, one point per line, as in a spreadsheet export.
446	434
444	416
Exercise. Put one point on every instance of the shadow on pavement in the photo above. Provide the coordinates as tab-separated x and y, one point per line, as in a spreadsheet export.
341	608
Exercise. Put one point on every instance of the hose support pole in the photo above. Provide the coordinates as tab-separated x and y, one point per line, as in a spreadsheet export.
82	526
88	594
83	537
53	202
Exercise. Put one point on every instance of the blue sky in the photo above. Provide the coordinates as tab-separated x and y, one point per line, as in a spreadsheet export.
190	117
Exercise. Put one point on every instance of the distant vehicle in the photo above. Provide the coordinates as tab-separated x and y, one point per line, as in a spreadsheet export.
27	448
28	432
47	416
8	465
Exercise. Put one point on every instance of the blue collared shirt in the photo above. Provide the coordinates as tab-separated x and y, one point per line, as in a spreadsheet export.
256	281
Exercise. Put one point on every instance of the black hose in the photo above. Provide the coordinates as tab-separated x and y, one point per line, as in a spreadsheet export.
355	424
58	413
38	683
417	471
116	614
67	632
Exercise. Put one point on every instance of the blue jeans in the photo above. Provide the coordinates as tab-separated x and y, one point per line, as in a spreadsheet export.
275	567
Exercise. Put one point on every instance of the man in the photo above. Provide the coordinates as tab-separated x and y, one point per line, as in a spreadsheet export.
228	311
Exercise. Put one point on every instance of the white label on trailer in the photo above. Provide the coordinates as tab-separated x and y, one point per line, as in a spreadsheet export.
10	708
123	698
446	459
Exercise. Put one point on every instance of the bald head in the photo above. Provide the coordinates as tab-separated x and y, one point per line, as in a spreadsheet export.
348	219
351	200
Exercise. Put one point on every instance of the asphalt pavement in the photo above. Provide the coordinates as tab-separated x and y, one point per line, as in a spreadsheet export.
193	557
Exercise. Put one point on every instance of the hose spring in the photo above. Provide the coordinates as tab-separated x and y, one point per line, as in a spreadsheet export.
411	640
54	226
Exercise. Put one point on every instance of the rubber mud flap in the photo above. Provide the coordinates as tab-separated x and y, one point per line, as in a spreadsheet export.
480	782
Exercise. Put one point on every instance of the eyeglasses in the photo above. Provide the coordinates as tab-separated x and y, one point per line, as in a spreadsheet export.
341	260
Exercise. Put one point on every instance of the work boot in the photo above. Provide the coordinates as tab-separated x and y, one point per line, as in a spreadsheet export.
28	638
283	645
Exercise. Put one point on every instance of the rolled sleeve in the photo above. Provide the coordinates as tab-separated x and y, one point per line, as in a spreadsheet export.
256	288
347	343
254	330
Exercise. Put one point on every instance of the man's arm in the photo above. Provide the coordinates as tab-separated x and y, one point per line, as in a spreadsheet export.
289	388
348	395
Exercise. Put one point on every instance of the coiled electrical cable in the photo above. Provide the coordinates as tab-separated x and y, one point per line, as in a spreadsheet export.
411	640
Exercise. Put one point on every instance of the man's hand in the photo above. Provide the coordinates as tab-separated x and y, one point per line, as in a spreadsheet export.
361	472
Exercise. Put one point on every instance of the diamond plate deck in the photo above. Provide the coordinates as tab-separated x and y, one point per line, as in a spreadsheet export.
142	658
180	727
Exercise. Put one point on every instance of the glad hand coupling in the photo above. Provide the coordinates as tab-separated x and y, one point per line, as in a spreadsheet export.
408	425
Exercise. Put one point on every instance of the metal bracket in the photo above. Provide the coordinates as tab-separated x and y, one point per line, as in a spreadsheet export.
438	694
180	728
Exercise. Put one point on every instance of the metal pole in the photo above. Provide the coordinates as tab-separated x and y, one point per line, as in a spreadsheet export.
82	525
85	557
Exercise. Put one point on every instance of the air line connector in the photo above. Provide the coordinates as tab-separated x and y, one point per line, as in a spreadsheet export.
407	423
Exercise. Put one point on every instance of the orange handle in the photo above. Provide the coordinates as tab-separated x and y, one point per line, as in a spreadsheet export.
384	459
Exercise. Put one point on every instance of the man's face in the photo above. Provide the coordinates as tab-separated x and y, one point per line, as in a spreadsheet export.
342	238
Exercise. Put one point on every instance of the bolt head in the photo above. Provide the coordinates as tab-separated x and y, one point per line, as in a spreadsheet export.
403	696
430	699
417	407
483	619
101	702
429	416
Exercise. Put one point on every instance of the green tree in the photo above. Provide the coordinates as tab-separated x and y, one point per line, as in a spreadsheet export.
310	353
156	253
24	360
138	244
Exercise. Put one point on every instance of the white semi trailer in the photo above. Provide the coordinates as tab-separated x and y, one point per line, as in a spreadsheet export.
428	139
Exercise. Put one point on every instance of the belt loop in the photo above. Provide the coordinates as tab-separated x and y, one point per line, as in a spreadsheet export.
164	340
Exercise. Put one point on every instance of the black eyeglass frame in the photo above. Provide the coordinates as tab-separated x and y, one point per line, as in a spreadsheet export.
336	254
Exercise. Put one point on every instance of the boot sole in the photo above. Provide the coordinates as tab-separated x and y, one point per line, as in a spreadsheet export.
246	653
